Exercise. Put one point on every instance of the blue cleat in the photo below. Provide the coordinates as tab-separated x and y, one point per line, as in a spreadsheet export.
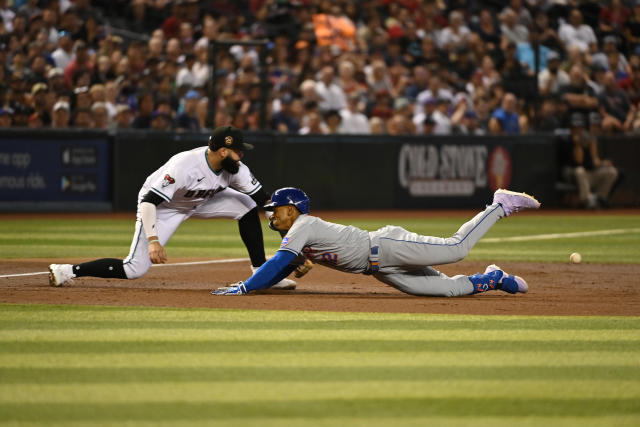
512	201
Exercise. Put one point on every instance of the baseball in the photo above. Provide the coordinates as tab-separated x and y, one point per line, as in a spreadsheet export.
575	258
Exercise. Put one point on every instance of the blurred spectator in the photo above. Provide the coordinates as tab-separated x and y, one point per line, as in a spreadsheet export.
63	55
187	120
512	31
285	121
376	124
161	121
100	115
35	121
631	32
332	97
594	177
315	125
575	32
83	118
613	17
146	104
547	36
505	119
548	119
601	59
579	97
123	117
6	117
61	114
353	121
332	119
441	118
616	110
455	35
487	29
552	78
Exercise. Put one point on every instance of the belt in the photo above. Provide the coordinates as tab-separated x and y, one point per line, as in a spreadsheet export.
374	260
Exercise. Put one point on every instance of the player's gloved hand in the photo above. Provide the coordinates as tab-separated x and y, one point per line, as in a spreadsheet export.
233	289
304	268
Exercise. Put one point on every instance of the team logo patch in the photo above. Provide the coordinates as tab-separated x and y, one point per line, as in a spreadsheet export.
228	140
284	241
167	180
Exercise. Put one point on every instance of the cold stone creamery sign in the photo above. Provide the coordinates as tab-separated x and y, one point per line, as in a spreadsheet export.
442	170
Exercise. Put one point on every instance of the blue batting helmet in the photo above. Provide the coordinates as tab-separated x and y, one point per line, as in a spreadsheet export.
289	196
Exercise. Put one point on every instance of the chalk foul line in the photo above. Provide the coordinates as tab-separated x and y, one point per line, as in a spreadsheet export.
213	261
553	236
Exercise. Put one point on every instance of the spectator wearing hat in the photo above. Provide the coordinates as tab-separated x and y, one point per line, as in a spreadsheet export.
610	47
552	78
285	120
64	54
123	118
353	121
616	110
6	117
39	101
161	121
187	120
428	108
594	177
60	115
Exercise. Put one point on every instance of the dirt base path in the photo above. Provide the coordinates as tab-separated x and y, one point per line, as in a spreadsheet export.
555	289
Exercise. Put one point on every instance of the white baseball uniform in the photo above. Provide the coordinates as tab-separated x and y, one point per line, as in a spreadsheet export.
190	188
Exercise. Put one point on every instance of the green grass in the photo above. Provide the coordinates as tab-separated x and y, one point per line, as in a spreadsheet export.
90	238
141	366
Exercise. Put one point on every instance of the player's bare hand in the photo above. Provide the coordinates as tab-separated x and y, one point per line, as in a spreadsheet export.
157	254
304	268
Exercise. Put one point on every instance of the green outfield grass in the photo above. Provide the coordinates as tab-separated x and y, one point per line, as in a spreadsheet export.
89	366
89	238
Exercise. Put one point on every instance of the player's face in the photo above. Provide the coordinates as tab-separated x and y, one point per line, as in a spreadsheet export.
283	217
230	162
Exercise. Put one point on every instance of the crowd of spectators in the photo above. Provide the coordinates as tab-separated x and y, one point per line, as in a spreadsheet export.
333	66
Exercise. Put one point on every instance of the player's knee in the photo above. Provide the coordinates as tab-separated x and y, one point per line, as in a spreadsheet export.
135	270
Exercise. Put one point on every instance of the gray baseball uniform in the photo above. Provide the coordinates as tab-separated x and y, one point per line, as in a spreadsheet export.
391	254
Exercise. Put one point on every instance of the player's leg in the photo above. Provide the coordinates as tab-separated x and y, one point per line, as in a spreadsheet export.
135	265
430	282
401	248
232	204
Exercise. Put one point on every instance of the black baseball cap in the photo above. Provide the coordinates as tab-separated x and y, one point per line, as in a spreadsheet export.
228	137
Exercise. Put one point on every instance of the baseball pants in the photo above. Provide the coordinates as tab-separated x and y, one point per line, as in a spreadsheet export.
405	257
228	203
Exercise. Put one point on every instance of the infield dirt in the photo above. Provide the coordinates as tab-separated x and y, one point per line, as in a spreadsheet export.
555	289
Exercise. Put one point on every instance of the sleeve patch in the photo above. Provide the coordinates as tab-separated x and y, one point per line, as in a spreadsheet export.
285	241
168	180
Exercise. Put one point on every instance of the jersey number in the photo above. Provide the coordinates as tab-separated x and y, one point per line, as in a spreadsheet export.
330	258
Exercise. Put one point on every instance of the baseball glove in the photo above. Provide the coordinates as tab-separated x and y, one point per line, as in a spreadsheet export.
304	268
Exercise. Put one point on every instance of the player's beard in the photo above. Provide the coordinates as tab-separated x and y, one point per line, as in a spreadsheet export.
230	165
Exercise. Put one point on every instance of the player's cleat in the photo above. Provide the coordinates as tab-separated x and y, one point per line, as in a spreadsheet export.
59	274
285	284
512	201
510	283
236	289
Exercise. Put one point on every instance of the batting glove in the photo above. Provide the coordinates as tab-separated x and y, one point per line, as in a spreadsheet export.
235	289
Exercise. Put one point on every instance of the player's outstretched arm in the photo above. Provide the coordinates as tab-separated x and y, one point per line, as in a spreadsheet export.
270	273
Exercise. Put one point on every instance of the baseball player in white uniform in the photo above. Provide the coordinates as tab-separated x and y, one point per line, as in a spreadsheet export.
206	182
391	254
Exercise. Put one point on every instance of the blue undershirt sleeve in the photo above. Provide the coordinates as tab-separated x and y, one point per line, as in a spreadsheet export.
271	271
